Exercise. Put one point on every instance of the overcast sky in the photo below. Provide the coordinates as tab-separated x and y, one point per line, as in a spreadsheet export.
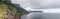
39	4
43	4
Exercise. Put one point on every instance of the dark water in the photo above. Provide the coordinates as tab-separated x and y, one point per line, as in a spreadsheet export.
42	16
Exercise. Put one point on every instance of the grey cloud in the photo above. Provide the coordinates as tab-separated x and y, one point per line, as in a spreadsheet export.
42	4
38	4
